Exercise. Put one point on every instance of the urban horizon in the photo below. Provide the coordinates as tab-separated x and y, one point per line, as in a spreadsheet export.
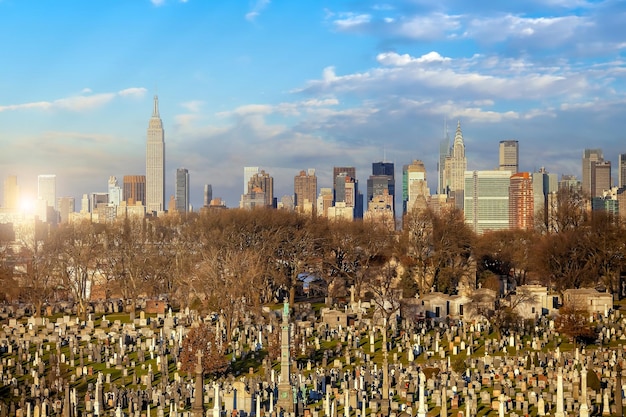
292	87
28	196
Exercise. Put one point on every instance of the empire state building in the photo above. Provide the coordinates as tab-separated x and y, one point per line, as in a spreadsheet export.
155	162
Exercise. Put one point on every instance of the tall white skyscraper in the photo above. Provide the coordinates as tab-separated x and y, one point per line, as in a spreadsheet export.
155	162
455	166
47	189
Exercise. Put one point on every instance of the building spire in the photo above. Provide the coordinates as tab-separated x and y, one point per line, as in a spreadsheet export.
458	137
155	111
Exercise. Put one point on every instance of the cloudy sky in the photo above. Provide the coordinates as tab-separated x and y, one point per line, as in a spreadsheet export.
291	85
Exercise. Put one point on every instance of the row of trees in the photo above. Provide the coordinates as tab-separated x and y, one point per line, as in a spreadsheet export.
230	261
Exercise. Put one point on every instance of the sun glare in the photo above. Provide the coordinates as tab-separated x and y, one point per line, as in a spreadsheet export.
27	205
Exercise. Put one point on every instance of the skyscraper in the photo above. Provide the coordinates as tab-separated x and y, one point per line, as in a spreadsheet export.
600	178
115	192
182	190
590	157
155	162
135	189
381	182
66	208
417	192
47	189
208	194
383	168
509	156
444	152
324	201
305	188
353	184
521	201
486	205
455	167
349	171
621	170
248	172
346	191
11	193
260	191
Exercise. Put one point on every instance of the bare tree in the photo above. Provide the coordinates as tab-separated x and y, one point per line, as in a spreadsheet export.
202	338
564	210
419	248
607	249
437	249
73	254
228	280
573	321
353	251
562	259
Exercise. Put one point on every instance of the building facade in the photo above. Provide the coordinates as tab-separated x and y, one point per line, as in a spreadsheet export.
134	189
590	157
415	191
455	166
11	195
621	170
67	206
182	190
509	156
324	201
116	194
381	182
521	201
47	189
248	172
260	189
600	178
444	153
487	200
208	195
155	162
304	189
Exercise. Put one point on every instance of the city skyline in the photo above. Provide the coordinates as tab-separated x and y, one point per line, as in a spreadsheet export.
288	87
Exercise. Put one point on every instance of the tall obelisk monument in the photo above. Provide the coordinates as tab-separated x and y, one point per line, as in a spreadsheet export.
285	392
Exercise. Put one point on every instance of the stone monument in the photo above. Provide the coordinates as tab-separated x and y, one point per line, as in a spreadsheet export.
285	392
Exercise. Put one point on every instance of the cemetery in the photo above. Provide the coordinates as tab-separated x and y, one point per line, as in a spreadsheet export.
330	359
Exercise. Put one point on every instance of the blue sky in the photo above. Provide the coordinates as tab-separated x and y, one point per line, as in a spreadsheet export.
291	85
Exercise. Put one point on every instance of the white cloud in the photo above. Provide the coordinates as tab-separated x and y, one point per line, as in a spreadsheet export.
44	105
320	103
193	105
545	31
157	2
80	103
256	10
77	103
132	92
480	77
349	21
395	59
431	26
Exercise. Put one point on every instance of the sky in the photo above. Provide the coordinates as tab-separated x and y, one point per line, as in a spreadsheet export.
291	85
